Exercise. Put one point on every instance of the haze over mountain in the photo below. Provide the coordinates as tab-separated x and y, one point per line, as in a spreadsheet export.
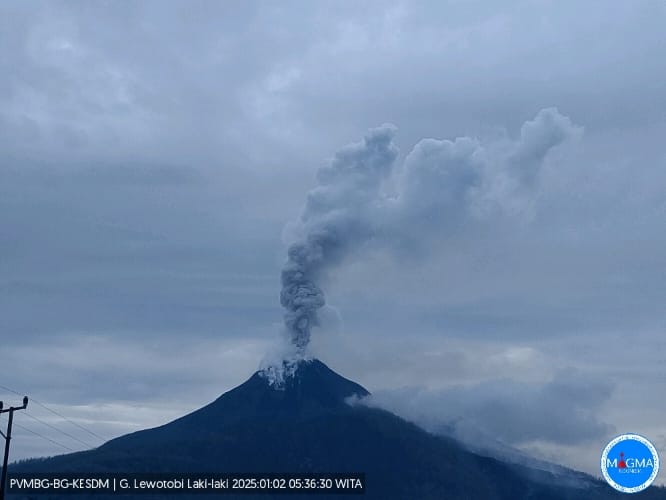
305	424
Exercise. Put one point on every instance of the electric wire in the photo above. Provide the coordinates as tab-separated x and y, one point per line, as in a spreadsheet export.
87	445
33	400
43	437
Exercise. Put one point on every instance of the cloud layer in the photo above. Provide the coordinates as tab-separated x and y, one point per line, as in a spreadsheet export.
152	152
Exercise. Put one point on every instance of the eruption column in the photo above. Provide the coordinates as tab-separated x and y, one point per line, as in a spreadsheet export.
443	186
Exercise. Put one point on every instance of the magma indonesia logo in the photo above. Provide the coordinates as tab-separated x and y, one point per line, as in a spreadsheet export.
629	463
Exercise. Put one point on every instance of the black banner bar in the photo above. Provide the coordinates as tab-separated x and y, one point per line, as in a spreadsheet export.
189	483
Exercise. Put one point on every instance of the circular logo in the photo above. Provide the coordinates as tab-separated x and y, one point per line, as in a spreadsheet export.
629	463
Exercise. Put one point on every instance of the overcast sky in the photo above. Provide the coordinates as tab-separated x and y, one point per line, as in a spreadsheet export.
151	154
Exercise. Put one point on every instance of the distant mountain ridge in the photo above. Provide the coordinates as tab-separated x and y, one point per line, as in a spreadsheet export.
306	425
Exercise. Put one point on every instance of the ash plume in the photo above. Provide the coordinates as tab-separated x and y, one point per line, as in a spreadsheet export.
442	184
333	220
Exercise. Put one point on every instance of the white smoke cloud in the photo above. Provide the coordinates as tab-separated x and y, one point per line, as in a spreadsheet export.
448	182
443	185
565	410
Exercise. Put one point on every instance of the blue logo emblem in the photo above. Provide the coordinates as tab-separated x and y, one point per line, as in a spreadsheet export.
629	463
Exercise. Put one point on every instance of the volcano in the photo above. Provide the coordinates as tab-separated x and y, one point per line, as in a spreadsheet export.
306	424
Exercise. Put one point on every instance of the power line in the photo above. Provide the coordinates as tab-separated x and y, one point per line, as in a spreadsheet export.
43	437
87	445
70	421
57	414
10	390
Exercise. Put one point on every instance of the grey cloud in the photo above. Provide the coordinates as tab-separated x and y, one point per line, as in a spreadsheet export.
453	179
565	410
441	185
164	259
333	221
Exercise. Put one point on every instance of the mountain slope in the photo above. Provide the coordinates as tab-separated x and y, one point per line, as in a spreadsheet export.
306	426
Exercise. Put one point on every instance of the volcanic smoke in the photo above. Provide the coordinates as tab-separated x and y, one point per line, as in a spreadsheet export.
442	184
334	219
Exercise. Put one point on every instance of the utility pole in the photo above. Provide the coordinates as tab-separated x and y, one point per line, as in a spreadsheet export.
8	438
